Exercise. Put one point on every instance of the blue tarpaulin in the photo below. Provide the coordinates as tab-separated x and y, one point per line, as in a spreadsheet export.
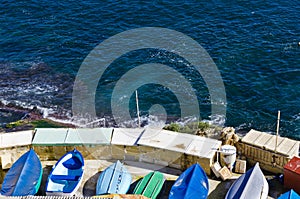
24	177
289	195
192	183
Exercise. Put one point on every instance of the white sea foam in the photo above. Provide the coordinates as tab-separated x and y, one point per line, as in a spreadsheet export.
67	121
296	117
218	120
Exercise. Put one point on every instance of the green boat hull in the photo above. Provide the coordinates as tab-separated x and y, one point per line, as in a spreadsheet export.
151	185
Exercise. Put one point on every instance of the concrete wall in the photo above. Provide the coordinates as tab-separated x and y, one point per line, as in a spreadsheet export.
130	153
268	160
9	155
48	152
91	152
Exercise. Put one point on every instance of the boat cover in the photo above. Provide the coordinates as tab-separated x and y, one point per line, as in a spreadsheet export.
192	183
24	177
289	195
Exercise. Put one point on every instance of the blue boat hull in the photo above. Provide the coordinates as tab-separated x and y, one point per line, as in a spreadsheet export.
114	179
192	183
289	195
24	177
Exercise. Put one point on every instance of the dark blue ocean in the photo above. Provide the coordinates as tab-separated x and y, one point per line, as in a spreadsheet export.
254	44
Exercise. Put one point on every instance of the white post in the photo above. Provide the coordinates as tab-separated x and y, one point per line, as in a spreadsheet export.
277	131
137	108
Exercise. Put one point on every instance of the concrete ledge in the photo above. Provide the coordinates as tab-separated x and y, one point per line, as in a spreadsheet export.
13	139
174	149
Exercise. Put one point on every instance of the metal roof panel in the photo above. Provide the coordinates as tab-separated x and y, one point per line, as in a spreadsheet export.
50	136
126	136
19	138
83	136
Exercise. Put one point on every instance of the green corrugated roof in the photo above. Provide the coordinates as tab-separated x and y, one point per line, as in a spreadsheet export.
89	136
126	136
79	136
50	136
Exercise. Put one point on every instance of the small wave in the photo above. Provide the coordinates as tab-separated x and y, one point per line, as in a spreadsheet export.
296	117
23	105
72	122
217	120
156	121
243	126
290	47
35	84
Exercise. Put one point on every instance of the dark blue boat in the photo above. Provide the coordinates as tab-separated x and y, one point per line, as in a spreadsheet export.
24	177
192	183
289	195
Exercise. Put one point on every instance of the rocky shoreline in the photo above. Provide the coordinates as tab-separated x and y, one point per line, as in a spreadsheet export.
19	118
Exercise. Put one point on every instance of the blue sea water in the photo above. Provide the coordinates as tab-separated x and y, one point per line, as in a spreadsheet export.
255	45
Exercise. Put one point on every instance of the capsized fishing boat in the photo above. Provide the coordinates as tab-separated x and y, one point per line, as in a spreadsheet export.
192	183
114	179
291	194
66	175
24	177
251	184
150	185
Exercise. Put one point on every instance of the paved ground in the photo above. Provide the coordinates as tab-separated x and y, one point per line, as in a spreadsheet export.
217	188
93	169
